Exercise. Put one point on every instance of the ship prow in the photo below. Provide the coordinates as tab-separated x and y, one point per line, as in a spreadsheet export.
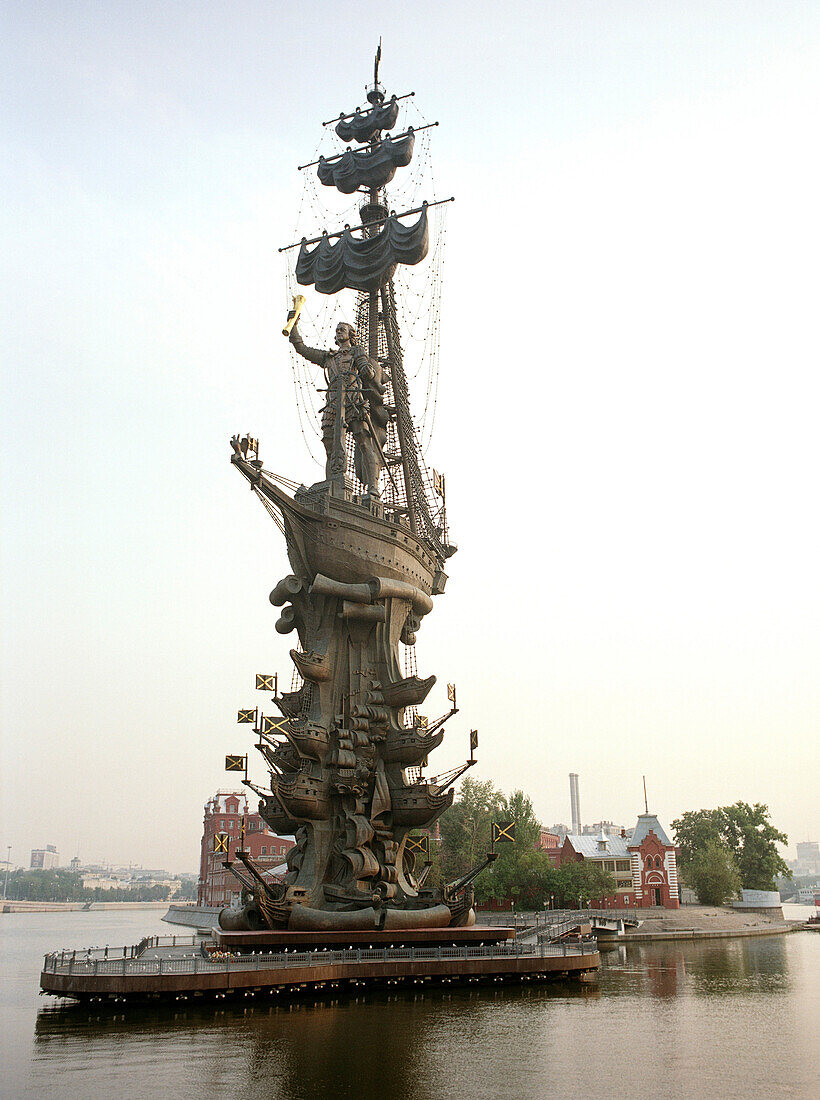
346	536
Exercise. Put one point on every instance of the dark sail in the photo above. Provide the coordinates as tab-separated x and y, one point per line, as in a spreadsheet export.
364	126
363	264
365	167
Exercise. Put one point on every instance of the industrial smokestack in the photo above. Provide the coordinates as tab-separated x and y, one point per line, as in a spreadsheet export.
575	803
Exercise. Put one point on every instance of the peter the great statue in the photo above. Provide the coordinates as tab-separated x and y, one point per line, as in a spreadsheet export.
354	382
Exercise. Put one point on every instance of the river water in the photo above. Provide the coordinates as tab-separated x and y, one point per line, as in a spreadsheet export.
720	1019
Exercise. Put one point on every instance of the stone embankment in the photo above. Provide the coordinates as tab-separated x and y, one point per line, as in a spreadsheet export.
75	906
703	922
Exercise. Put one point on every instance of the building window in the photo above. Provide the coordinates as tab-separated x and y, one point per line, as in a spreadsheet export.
264	849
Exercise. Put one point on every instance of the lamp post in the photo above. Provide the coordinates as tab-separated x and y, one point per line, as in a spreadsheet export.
8	864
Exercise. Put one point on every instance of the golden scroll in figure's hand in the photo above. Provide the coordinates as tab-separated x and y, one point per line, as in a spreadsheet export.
293	316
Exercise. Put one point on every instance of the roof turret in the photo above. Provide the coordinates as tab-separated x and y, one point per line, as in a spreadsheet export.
649	823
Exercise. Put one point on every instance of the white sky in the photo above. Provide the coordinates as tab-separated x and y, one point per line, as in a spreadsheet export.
627	416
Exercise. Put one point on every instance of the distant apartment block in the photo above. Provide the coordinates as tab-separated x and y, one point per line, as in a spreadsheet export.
808	858
44	859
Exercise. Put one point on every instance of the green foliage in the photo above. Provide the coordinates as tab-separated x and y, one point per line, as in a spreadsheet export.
745	831
533	883
712	873
62	885
465	827
753	839
694	830
186	890
516	872
56	885
522	872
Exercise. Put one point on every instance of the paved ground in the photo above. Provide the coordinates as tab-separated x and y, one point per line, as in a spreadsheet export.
704	918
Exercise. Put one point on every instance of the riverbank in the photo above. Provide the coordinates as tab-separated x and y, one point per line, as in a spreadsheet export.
76	906
703	922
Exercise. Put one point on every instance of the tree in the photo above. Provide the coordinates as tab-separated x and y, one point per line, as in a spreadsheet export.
522	872
516	872
465	827
745	831
753	840
52	885
712	873
579	882
694	830
186	891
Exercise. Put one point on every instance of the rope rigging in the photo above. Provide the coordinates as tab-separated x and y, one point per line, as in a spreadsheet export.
415	305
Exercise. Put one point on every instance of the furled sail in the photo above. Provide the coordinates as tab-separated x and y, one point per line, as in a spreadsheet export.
372	168
363	264
364	125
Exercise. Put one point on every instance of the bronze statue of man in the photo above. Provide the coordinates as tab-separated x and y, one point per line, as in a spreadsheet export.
356	380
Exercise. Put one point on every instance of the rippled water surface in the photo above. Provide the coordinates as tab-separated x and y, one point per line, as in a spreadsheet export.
731	1018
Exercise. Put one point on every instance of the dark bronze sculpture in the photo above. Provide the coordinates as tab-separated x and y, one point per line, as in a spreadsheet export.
354	385
367	548
348	750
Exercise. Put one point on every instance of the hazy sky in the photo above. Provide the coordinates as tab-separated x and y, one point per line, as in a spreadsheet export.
627	416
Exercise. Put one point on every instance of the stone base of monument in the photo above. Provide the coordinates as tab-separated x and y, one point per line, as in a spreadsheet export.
265	965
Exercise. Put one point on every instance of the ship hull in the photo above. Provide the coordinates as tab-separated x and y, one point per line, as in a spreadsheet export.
345	540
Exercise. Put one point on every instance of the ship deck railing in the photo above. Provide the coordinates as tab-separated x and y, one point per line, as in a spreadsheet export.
57	962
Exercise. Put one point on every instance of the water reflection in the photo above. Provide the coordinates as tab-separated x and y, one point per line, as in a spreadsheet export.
364	1045
703	968
729	967
640	970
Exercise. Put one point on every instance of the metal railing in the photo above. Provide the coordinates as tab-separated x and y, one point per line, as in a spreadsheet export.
57	962
134	951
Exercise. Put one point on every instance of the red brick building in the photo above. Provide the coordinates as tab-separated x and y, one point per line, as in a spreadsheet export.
551	844
644	865
224	814
654	865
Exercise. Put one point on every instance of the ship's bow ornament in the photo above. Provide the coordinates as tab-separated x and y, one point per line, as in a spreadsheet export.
367	547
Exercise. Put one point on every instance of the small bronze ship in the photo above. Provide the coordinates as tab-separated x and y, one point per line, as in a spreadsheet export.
420	805
409	747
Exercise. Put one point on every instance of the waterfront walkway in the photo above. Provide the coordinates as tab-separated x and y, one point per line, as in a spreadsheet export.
640	925
173	967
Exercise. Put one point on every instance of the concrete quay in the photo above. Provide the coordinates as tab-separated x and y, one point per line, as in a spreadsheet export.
704	922
76	906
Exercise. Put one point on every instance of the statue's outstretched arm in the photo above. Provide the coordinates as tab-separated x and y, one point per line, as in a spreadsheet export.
313	355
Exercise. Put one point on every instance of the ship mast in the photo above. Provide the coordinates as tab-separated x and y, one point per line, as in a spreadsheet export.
408	497
376	207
